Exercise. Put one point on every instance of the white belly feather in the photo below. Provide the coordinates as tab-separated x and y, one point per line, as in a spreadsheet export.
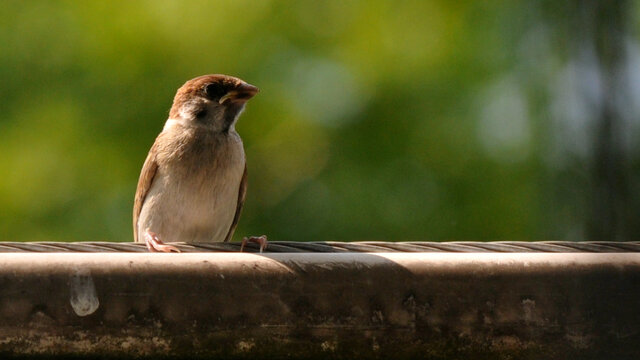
194	209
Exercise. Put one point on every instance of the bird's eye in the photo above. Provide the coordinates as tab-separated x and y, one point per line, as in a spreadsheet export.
214	91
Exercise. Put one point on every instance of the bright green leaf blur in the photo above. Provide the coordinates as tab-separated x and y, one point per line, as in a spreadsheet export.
376	120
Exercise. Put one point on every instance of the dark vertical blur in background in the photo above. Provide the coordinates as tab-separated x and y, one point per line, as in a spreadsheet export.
377	120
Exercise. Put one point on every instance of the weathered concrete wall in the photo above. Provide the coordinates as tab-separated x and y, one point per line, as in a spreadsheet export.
386	306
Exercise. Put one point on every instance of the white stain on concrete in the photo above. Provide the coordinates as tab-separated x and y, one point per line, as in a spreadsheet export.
83	295
528	306
245	345
329	345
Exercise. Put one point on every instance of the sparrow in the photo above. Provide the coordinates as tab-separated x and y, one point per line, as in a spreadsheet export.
194	180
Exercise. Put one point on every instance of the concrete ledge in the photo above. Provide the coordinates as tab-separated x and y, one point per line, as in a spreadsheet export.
352	305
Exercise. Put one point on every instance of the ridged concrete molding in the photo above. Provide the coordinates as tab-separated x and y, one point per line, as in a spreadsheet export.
321	305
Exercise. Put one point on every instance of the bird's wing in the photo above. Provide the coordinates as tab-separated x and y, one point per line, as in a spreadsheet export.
242	192
147	174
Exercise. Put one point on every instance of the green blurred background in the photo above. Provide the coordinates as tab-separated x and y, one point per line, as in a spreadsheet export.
377	120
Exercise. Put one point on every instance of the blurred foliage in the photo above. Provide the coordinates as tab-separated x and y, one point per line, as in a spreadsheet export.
377	120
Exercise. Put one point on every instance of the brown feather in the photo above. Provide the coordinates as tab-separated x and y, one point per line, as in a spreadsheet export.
147	174
241	196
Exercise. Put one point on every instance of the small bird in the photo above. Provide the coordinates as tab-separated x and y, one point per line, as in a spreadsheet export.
193	183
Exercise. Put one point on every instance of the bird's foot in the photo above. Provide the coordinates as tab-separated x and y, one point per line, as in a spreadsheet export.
155	245
261	240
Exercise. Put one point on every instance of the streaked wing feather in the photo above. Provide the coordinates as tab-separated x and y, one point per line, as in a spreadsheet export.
242	192
147	174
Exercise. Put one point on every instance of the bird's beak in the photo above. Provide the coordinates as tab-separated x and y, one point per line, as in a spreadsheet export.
242	93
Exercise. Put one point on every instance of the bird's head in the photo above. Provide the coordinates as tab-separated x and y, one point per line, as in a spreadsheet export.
214	101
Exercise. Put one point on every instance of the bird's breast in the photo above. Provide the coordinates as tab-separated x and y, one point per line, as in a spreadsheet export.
194	195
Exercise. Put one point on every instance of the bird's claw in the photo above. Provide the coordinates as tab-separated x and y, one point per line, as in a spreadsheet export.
261	240
154	244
